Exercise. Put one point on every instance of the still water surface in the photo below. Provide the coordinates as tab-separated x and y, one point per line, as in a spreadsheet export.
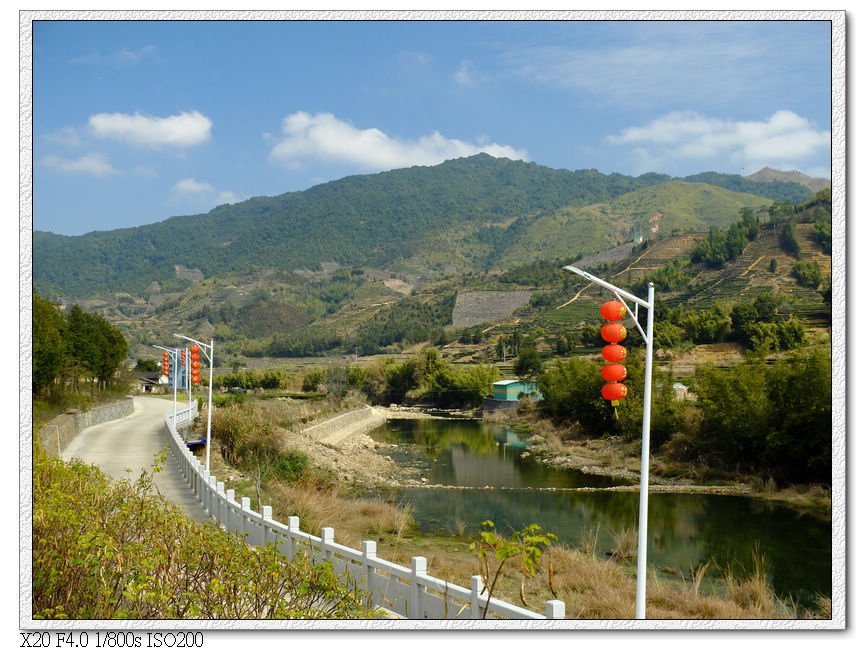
499	479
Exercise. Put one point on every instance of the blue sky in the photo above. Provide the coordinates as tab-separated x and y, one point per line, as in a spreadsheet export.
138	121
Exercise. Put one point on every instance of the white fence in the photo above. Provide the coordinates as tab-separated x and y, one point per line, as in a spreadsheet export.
408	592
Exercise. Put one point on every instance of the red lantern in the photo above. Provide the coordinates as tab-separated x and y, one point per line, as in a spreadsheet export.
613	310
614	353
196	364
613	392
182	357
613	332
614	372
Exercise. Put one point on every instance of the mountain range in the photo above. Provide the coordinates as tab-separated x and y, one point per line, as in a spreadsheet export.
466	215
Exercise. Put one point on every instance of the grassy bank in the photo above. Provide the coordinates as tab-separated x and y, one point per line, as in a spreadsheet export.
563	447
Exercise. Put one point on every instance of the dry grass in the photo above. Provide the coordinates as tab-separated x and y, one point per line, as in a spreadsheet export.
592	587
624	544
320	505
596	588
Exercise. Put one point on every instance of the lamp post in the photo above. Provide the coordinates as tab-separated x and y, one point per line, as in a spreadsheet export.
175	355
207	350
189	376
642	536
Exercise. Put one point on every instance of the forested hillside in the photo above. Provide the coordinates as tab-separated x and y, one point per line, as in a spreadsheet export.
459	216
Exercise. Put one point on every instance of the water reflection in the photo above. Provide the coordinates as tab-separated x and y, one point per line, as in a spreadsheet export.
468	453
685	530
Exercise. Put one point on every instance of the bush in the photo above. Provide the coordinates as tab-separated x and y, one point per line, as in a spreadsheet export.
117	551
769	420
807	274
291	466
788	240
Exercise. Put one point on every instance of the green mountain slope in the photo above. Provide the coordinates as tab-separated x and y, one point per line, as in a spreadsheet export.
651	212
776	187
769	175
462	215
374	220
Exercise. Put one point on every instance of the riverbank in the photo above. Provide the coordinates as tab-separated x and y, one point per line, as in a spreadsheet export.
615	457
363	464
357	496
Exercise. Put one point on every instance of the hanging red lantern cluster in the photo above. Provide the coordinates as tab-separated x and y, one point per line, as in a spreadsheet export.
614	372
183	356
165	363
195	356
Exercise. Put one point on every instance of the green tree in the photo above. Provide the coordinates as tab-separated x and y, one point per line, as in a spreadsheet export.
572	393
807	274
94	347
48	346
823	232
525	546
799	436
788	239
146	365
736	414
529	363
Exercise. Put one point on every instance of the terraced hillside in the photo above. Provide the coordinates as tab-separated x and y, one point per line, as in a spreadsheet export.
478	307
739	280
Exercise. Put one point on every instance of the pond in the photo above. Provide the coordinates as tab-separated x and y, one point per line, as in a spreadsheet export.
490	473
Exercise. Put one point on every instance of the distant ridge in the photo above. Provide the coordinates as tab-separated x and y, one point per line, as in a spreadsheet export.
464	215
768	175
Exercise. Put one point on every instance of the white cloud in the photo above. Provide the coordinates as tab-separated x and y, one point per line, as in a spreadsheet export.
119	59
93	164
179	131
326	138
204	192
192	186
66	136
464	76
650	64
226	197
784	139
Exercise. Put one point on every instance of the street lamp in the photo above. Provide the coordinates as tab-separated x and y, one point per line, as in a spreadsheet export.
642	537
174	353
207	350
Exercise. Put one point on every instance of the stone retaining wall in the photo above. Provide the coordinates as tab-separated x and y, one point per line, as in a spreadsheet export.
56	434
328	427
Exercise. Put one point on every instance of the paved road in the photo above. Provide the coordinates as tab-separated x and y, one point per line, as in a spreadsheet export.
132	443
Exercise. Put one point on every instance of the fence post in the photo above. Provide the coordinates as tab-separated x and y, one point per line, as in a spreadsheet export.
220	501
229	515
266	515
326	541
477	589
245	512
418	570
293	531
211	493
554	609
370	551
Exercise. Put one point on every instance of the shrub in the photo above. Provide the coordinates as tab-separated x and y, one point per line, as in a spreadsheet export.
116	550
807	274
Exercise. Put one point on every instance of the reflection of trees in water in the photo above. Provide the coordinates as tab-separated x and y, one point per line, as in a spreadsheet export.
474	470
797	547
684	530
473	454
440	434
